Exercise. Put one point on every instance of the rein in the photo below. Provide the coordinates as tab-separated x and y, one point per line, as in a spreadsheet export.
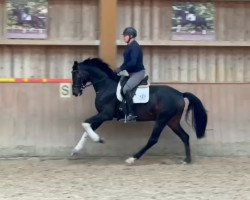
87	85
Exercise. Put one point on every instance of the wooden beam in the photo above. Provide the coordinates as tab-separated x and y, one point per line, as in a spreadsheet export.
173	43
50	42
108	15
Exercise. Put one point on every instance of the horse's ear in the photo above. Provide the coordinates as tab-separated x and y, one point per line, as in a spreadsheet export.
88	59
75	66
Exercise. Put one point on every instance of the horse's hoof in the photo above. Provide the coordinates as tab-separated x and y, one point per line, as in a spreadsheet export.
101	141
186	162
130	160
74	153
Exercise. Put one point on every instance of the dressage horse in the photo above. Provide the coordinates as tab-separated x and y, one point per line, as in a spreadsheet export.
34	21
165	106
198	21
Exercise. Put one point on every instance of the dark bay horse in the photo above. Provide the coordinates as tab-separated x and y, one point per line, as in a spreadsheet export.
165	106
34	21
199	21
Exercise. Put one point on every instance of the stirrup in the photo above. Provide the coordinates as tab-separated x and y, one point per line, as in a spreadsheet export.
130	118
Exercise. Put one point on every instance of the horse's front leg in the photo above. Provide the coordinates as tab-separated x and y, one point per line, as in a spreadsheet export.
80	144
90	125
178	28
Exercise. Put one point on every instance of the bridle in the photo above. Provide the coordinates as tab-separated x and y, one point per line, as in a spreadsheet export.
81	85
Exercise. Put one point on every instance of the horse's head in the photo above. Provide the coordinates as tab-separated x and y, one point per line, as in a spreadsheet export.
15	12
180	14
92	70
79	78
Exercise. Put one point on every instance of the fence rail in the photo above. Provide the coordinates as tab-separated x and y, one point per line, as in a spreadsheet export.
34	80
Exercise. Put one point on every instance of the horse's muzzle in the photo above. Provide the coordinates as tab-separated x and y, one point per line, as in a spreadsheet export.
76	92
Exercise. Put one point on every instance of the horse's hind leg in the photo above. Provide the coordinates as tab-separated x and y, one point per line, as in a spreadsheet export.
184	137
204	30
159	125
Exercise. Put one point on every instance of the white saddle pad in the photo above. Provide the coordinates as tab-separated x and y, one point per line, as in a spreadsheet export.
191	17
141	94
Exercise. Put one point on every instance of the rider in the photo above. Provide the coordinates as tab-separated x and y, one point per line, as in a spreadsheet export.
133	64
26	14
191	14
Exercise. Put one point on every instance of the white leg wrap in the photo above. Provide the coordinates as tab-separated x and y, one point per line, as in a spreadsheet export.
178	28
130	160
95	137
81	142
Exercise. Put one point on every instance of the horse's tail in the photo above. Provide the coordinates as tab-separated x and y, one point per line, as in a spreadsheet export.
199	116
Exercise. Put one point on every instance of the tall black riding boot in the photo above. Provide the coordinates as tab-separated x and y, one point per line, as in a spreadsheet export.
129	104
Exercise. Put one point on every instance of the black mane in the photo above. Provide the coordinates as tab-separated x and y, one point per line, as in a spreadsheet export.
97	62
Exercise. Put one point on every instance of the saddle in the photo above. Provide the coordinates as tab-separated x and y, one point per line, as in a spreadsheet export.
140	93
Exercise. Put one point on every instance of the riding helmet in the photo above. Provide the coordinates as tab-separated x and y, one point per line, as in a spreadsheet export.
130	31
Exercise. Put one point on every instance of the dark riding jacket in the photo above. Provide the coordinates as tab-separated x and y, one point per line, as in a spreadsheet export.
133	58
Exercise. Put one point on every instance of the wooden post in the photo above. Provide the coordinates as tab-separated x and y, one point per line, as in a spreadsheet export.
108	15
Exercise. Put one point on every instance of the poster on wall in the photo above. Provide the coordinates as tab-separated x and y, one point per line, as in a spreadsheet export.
27	19
193	21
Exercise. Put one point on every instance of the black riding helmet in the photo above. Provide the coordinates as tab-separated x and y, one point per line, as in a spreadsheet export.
130	31
191	10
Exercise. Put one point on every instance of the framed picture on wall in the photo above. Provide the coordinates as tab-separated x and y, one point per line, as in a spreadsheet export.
27	19
193	21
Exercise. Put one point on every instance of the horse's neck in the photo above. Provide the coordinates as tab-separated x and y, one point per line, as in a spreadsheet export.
104	86
101	81
183	16
18	15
